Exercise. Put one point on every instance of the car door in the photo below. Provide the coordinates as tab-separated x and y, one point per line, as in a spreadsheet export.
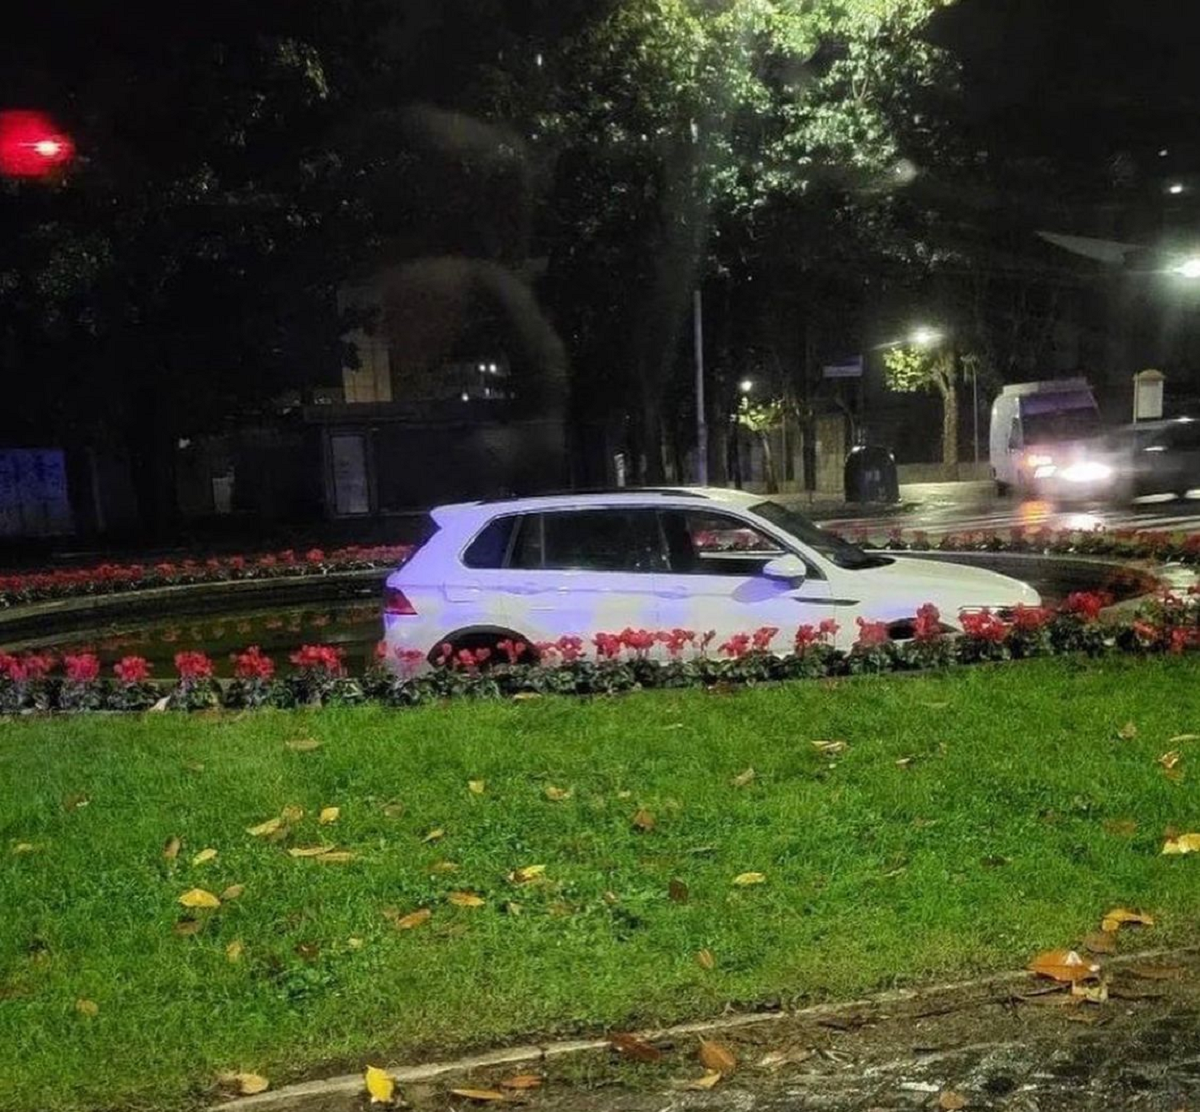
716	581
584	571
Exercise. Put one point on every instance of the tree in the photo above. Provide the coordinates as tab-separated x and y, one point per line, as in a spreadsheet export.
910	369
762	418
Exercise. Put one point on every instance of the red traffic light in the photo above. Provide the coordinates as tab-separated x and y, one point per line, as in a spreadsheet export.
32	145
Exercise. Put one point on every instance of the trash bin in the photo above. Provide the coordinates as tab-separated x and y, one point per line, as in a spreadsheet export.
870	475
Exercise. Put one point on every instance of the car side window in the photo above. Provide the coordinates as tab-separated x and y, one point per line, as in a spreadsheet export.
489	549
705	543
590	540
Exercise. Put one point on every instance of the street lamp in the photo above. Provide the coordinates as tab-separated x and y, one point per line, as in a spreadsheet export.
926	337
1189	268
746	385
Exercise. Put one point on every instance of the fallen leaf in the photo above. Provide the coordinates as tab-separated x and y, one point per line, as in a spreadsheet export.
1091	994
777	1059
829	748
1179	739
1184	843
443	867
1064	965
633	1047
904	762
481	1095
354	943
705	959
511	908
336	857
412	919
292	813
677	892
74	801
1100	943
643	820
710	1078
527	874
526	696
1170	759
303	744
743	778
557	795
308	851
522	1081
477	787
434	835
950	1101
204	856
744	879
263	829
1128	732
198	897
624	794
193	766
234	951
466	899
393	809
247	1084
232	892
87	1007
328	815
1156	972
22	848
187	926
309	951
1119	916
379	1084
171	848
716	1057
1122	828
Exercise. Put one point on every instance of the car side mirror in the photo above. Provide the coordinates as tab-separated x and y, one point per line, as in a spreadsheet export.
787	567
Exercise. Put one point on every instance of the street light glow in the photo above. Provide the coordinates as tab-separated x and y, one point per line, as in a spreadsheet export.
1190	268
1175	188
925	337
745	386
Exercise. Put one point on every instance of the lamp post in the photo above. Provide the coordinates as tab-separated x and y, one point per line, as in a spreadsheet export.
925	337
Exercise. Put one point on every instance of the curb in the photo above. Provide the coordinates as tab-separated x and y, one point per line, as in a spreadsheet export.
336	1094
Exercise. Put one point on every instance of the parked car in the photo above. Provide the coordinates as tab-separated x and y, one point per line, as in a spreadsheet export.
536	569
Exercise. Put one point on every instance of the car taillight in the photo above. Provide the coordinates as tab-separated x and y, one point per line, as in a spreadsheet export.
395	601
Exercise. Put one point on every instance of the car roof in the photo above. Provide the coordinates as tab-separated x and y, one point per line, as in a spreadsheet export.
620	496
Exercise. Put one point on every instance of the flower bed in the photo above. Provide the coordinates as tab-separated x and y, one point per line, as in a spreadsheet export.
609	663
103	579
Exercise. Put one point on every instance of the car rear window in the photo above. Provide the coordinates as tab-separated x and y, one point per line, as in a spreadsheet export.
489	549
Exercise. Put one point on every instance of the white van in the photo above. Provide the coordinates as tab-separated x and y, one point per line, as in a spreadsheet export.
1039	431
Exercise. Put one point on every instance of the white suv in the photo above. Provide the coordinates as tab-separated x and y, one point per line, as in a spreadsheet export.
536	569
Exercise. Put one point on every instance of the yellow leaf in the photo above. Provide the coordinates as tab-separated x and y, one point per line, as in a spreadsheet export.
354	943
950	1101
443	867
705	959
557	794
1128	732
434	835
1185	843
393	809
308	851
522	1081
466	899
303	745
232	892
263	829
1170	759
86	1007
643	820
1064	965
710	1078
22	848
1114	920
328	815
716	1057
293	813
481	1095
380	1085
829	748
336	857
247	1084
743	778
171	848
1179	739
477	787
412	919
233	952
744	879
198	897
204	856
526	875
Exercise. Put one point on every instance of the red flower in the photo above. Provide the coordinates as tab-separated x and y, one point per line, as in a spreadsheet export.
410	659
237	563
10	667
1029	619
828	629
1086	605
287	556
82	667
381	650
928	623
984	625
267	561
762	638
1182	638
737	646
570	648
513	650
871	634
253	665
314	556
1146	631
445	652
675	639
193	666
318	658
640	641
608	645
132	669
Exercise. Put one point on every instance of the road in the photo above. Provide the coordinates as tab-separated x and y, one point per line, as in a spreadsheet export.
940	508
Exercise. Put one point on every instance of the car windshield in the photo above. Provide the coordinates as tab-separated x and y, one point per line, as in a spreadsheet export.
833	548
1067	424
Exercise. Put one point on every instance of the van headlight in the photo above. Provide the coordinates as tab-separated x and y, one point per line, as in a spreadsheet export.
1087	471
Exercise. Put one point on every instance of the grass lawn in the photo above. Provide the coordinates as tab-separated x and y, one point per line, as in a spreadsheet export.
989	845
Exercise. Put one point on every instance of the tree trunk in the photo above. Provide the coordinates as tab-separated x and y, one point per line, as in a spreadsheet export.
769	472
949	393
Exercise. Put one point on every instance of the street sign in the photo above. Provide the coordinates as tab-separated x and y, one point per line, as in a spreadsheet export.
849	368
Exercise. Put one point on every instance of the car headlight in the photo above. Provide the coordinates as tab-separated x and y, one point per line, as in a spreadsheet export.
1034	459
1088	471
